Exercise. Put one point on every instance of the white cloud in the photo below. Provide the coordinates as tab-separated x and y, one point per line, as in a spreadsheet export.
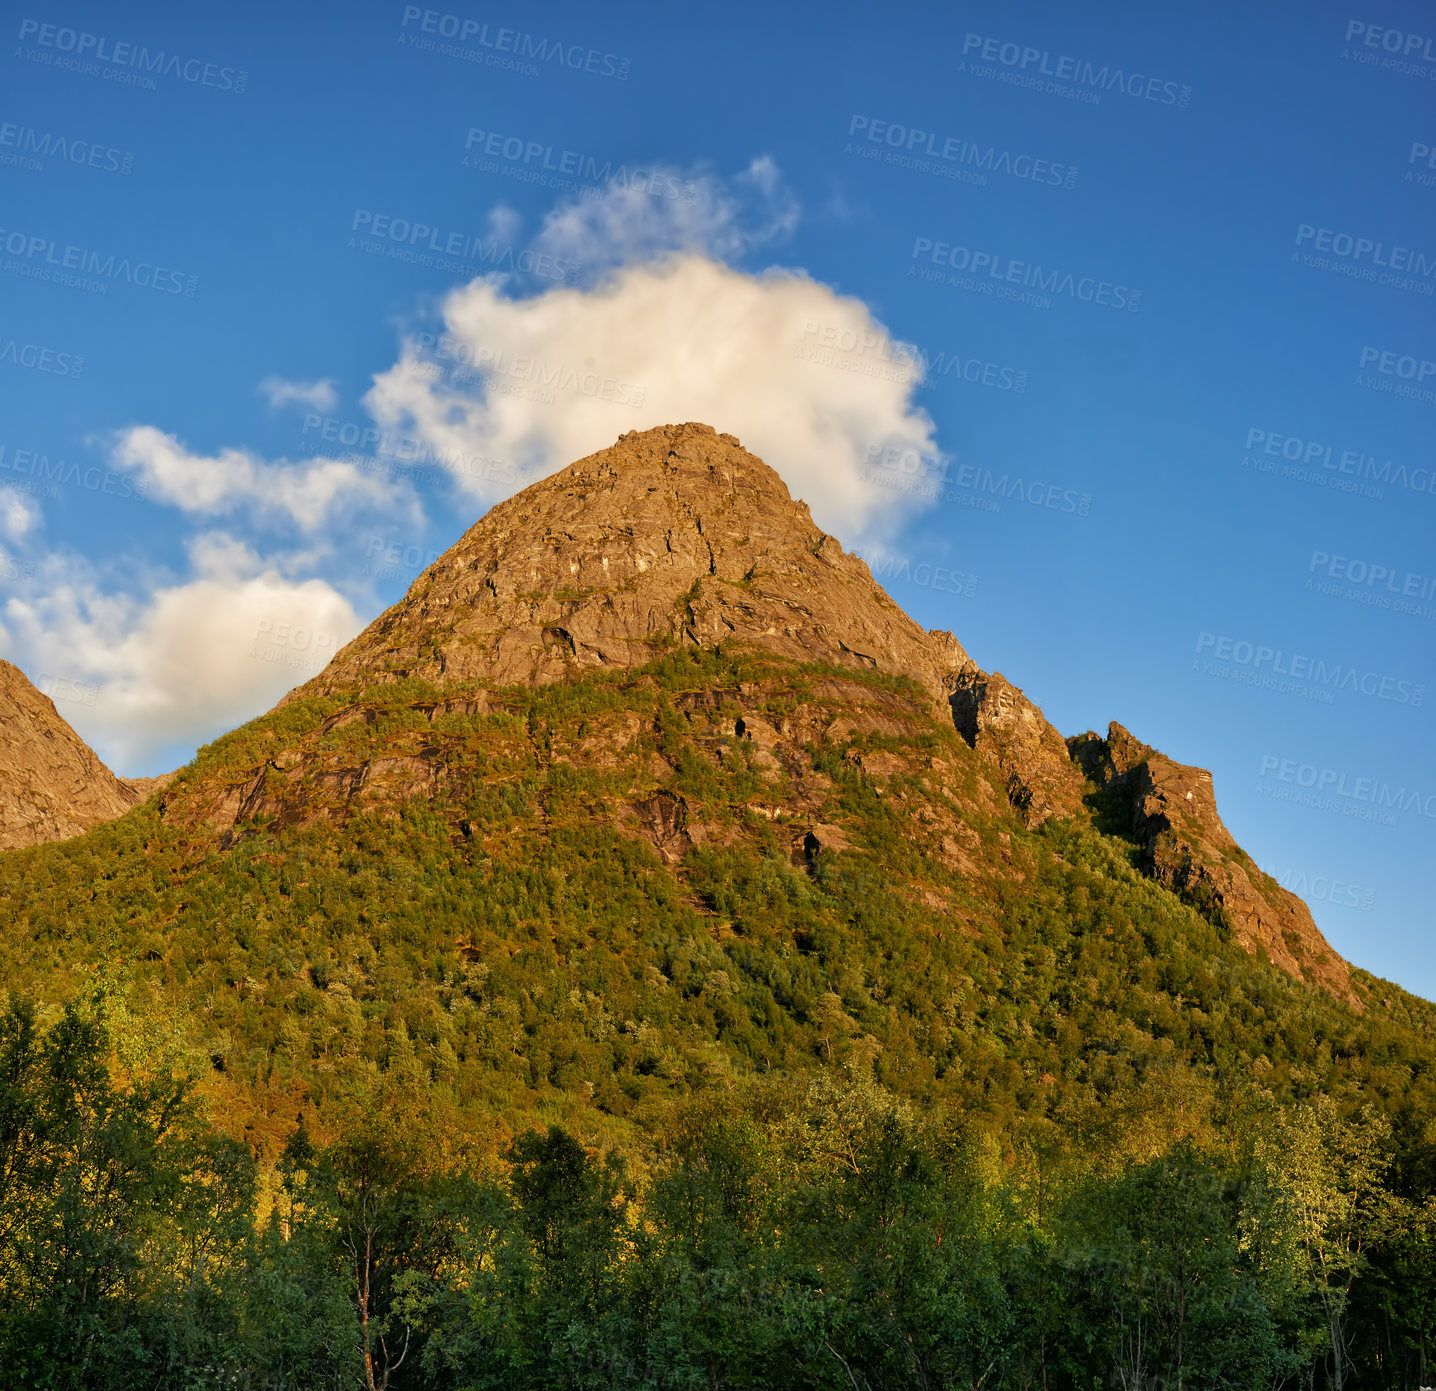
19	515
566	372
308	493
184	662
664	211
315	396
505	224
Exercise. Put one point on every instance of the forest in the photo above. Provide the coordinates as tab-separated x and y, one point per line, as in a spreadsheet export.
813	1233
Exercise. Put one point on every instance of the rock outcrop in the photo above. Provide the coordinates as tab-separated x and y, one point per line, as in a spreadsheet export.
1170	810
999	721
52	786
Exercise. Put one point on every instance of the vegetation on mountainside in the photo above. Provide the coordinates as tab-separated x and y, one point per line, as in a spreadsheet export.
1000	1113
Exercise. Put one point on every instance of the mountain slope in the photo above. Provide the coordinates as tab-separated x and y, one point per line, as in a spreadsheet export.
52	785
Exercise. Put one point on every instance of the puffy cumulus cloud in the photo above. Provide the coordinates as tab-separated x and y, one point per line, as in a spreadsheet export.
806	377
314	396
183	662
19	515
310	494
661	211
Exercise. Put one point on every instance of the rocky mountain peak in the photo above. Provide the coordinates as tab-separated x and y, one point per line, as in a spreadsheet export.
52	785
672	535
679	537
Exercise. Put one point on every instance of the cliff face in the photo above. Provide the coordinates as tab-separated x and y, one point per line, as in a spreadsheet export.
1170	809
1000	722
52	786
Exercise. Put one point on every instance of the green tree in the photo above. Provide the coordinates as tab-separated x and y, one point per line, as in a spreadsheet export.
124	1219
1329	1176
371	1210
1168	1293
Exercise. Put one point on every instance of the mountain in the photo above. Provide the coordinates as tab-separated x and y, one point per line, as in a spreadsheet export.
52	786
646	786
679	537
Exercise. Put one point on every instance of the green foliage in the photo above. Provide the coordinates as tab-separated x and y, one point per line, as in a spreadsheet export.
792	1233
123	1217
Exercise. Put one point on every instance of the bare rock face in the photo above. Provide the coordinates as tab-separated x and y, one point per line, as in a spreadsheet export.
52	786
999	721
1171	811
673	535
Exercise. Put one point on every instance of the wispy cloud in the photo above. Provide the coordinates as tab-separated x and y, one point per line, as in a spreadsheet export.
314	396
310	493
699	214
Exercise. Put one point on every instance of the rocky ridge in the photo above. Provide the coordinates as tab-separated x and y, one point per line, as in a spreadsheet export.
1170	809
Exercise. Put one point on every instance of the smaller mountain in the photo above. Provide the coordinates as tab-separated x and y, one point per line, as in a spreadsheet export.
52	784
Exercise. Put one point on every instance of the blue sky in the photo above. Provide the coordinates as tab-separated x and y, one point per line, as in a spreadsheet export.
1177	473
